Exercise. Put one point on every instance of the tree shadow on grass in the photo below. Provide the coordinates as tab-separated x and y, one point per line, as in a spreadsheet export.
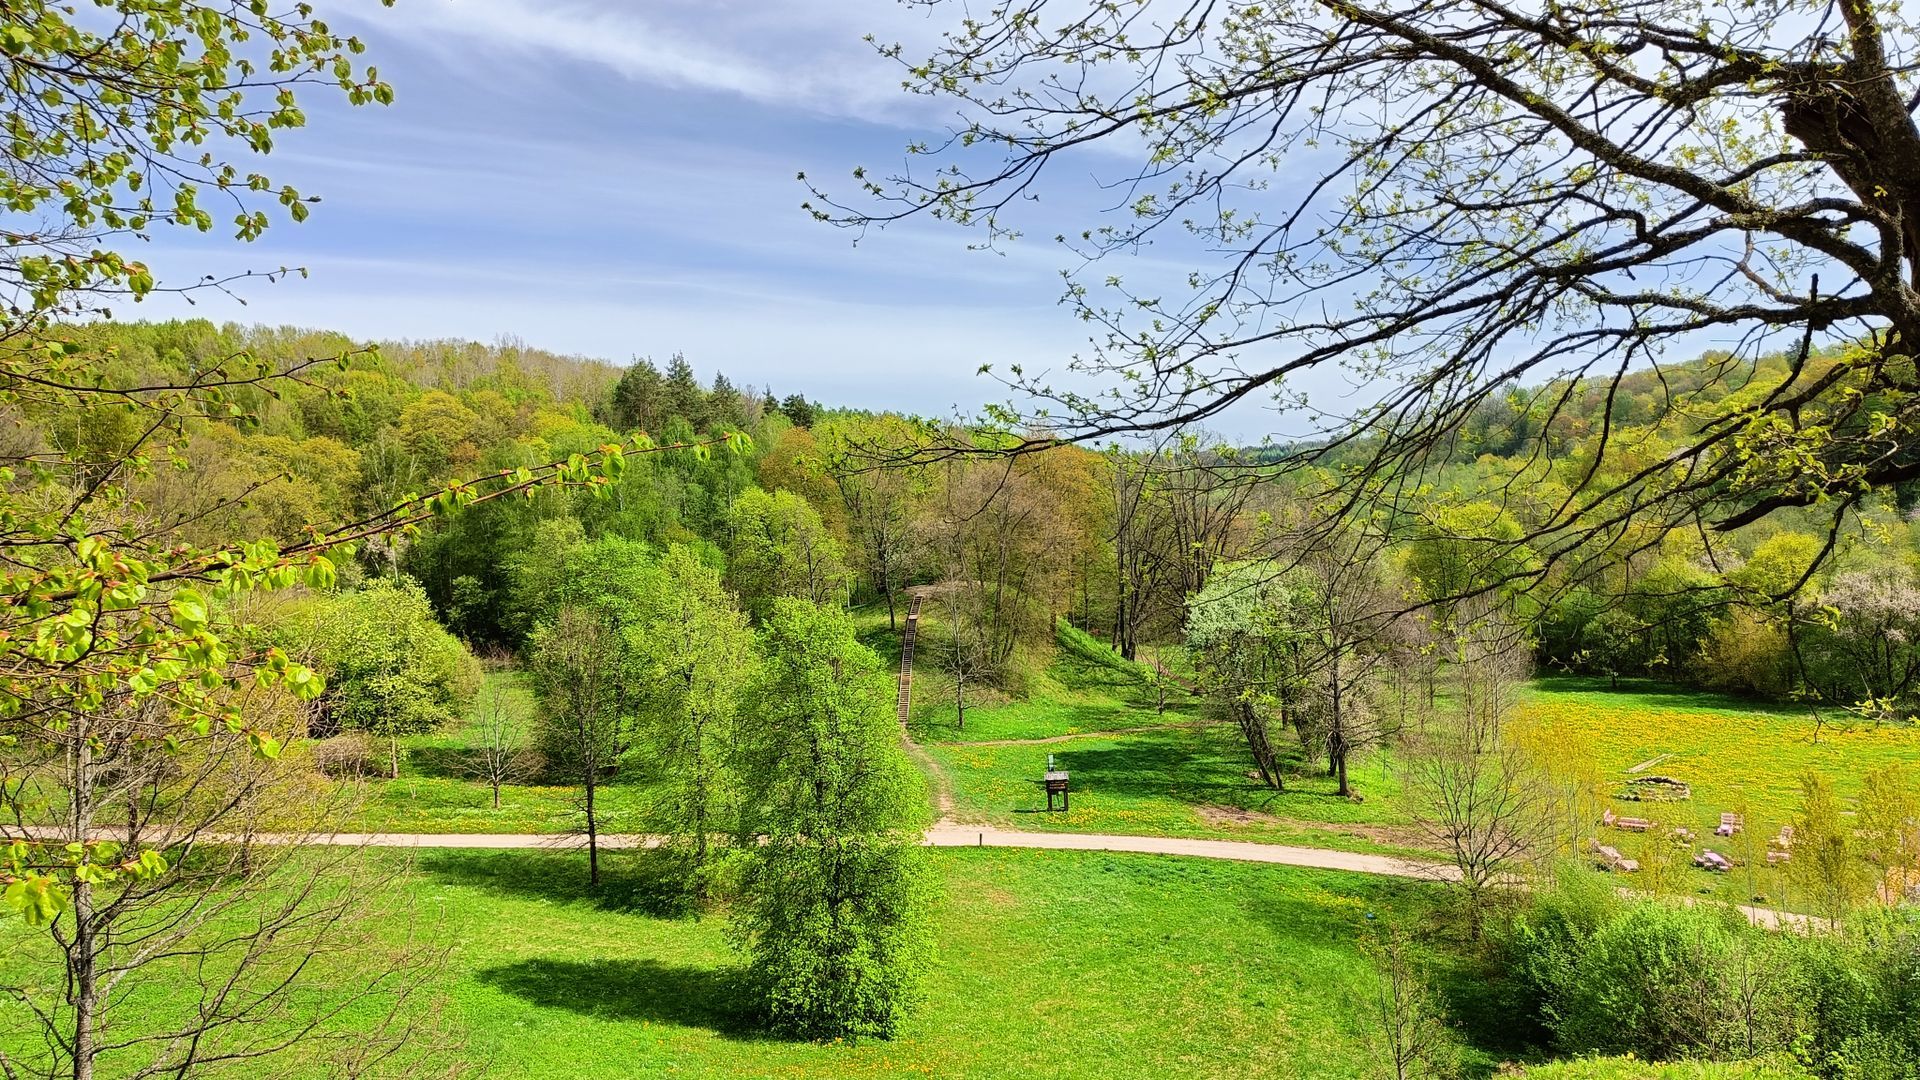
1198	767
643	989
1186	766
641	882
1652	693
446	762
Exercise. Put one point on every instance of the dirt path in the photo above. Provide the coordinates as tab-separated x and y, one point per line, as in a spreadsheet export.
937	778
946	834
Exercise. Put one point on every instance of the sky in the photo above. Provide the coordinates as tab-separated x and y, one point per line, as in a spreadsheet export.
616	179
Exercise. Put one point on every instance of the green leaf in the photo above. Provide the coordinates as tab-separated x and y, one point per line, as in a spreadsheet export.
189	609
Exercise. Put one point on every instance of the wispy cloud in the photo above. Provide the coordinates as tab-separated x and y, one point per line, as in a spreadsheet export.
808	55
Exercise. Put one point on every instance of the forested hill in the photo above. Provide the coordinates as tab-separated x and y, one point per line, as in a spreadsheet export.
348	439
1563	419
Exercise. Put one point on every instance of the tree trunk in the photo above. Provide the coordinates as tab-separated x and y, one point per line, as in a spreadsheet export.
82	954
1255	731
593	834
393	755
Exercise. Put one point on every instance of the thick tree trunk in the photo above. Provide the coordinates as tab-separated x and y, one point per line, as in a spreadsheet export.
1255	731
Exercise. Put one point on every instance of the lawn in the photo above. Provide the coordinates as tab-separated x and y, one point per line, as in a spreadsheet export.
1735	755
437	791
1084	688
1730	751
1054	964
1190	781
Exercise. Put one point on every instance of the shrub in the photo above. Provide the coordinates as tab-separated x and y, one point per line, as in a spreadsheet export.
347	756
391	669
1653	979
1863	986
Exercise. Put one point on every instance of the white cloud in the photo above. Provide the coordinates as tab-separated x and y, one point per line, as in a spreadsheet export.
809	55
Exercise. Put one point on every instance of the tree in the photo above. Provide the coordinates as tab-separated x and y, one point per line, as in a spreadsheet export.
1865	651
1476	793
832	921
1007	532
1349	608
1458	202
501	734
1412	1017
281	944
799	410
779	547
391	670
577	677
639	398
681	395
880	503
1245	632
692	654
131	693
1826	863
1889	834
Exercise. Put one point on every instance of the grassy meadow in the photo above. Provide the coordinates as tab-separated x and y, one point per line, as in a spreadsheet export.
1061	964
1736	756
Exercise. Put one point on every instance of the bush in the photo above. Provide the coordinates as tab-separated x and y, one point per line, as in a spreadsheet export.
344	757
1864	988
1652	979
391	669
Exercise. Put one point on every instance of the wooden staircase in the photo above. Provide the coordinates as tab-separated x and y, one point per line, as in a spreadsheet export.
906	657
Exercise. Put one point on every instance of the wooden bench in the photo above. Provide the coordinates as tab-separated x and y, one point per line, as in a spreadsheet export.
1713	860
1626	824
1611	860
1729	825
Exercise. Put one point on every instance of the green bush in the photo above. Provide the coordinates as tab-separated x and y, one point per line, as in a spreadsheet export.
1863	986
1597	974
391	668
1652	979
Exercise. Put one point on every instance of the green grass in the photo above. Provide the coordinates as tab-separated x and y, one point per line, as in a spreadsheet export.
1085	688
1732	752
1189	782
1050	964
436	791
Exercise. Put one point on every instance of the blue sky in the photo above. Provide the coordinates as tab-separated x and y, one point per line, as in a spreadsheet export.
617	179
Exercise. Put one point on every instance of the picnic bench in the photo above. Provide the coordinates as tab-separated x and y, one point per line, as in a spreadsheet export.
1626	824
1610	858
1710	859
1729	825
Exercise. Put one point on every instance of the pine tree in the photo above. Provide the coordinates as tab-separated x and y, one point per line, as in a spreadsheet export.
683	396
638	398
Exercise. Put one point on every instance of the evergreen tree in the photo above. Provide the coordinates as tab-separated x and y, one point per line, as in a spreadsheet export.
798	409
682	395
725	407
638	398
